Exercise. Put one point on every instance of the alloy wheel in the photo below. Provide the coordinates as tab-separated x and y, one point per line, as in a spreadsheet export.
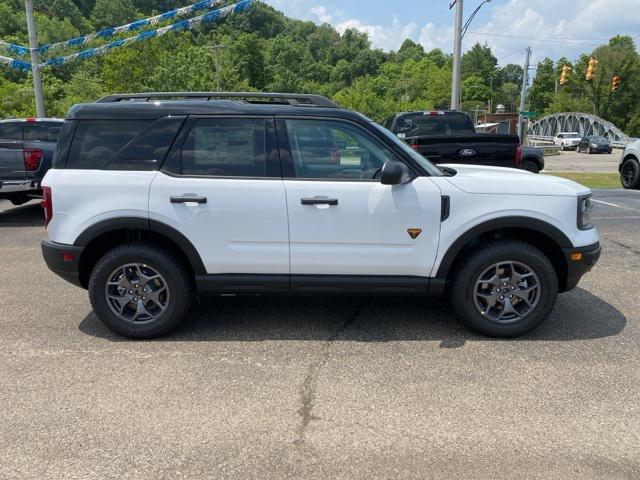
137	293
507	291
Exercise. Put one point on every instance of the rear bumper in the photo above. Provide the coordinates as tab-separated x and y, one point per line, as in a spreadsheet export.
63	260
18	185
589	256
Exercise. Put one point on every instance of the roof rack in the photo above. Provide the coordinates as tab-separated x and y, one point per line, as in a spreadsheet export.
293	99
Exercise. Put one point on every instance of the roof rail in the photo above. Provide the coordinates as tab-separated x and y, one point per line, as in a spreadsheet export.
293	99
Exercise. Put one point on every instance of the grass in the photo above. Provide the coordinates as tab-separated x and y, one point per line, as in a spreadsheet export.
592	180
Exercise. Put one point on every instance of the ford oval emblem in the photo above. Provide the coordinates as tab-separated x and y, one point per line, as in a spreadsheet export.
467	152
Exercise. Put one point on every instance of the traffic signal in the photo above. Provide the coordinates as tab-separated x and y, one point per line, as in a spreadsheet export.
566	70
591	69
615	83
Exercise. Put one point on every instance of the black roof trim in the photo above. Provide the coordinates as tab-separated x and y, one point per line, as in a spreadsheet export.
293	99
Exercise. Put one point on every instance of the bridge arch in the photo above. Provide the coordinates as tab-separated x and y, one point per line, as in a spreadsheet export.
585	124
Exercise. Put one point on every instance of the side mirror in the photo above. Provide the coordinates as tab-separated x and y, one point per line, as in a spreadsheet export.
395	173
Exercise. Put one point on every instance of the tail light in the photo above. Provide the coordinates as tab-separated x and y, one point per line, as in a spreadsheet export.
517	161
414	146
47	204
32	157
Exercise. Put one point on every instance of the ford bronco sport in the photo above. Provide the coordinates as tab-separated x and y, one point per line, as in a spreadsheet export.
154	198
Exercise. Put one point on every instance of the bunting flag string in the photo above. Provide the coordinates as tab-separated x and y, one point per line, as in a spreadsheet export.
130	27
13	48
186	24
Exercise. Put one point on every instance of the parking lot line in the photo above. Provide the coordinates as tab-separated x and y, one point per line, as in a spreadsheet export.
615	205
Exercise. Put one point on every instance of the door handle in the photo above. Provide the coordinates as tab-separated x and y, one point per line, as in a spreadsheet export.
319	201
189	199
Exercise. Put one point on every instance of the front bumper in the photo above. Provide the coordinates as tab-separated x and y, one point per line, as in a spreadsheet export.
63	260
579	261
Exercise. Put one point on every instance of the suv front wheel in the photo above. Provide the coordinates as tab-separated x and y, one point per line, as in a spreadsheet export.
504	288
140	291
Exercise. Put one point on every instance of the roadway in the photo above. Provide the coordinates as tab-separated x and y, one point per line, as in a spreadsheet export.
316	388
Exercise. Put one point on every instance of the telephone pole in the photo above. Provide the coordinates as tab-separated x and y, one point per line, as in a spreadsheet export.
457	54
35	59
523	94
216	61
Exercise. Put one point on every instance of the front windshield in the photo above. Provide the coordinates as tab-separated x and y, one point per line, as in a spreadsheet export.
599	140
572	135
423	162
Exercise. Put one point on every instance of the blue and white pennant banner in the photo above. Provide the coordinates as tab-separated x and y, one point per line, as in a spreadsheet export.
130	27
17	64
186	24
13	48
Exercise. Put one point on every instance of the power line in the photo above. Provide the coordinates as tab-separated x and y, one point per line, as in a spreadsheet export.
538	39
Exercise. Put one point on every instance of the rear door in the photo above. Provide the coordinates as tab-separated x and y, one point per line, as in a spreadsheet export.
342	220
222	188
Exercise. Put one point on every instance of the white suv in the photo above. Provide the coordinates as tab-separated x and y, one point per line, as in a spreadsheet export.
155	198
567	140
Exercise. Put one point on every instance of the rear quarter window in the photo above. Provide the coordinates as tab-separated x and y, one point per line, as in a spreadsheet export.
96	142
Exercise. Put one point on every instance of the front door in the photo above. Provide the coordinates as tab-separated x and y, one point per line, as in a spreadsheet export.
223	190
342	220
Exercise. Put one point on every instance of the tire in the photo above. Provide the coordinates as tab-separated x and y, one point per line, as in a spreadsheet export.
481	260
530	166
630	174
159	316
589	151
19	199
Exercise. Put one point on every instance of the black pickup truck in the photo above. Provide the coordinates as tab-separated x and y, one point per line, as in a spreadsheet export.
450	137
26	151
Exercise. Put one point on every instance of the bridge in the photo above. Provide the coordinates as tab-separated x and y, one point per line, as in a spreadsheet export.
585	124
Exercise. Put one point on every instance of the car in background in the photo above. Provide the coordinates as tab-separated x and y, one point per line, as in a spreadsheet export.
594	144
26	153
629	167
567	140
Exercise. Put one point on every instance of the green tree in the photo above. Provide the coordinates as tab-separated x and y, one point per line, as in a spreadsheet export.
111	13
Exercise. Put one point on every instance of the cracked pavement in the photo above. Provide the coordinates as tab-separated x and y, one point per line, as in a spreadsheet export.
275	387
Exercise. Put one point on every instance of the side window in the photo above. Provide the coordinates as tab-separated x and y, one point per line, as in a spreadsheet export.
226	147
10	131
96	142
327	149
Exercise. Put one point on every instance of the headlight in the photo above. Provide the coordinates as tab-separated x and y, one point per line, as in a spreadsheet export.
594	145
584	212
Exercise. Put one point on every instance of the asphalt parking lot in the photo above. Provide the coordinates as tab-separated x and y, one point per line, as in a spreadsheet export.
265	388
572	161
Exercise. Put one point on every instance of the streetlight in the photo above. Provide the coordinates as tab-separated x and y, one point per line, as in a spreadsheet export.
475	12
457	49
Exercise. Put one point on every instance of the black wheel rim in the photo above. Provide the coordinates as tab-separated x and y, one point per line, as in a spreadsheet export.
628	174
506	292
137	293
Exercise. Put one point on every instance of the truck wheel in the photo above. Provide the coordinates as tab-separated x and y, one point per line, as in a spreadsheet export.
630	173
530	166
140	291
19	199
504	288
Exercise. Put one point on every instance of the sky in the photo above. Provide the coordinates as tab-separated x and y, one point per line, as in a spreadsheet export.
553	28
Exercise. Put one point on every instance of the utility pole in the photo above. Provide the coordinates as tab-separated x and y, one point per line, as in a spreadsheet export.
457	54
216	61
523	94
35	59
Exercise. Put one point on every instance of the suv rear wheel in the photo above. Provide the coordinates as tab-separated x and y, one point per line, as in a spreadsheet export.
504	288
630	173
140	291
530	166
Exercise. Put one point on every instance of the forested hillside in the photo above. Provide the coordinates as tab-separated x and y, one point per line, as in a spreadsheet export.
264	50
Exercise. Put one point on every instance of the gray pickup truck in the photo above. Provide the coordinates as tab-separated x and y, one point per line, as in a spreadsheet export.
26	151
